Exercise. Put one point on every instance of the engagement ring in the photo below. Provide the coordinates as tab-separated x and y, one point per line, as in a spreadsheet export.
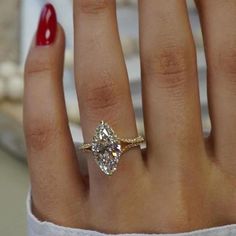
107	148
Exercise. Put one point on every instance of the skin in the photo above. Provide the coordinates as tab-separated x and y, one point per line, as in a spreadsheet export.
183	181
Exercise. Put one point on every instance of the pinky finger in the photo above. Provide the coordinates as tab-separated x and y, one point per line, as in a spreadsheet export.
51	153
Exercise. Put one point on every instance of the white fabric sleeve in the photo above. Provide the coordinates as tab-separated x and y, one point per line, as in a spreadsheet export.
38	228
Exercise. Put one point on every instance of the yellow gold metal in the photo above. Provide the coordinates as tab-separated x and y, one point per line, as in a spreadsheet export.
127	144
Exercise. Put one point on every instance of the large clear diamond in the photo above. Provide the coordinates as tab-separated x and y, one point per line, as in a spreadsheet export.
106	148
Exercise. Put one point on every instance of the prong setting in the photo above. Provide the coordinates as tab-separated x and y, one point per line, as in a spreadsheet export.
106	148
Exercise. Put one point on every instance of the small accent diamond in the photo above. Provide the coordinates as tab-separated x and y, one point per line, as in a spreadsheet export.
106	148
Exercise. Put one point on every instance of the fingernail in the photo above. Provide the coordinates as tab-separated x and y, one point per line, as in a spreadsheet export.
47	27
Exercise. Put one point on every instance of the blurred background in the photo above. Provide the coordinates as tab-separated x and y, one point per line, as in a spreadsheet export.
18	22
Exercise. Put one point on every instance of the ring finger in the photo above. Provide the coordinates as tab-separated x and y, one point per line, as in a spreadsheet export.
102	84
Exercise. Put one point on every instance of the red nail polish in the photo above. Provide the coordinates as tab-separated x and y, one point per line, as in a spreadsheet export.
47	27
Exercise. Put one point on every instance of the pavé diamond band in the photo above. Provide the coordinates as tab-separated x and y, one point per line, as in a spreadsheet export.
107	148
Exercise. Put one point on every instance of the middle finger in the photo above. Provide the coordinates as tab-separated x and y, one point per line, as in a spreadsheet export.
169	78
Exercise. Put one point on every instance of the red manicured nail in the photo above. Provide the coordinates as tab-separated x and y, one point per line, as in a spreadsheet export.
47	27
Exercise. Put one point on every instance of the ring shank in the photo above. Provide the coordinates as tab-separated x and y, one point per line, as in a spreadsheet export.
127	144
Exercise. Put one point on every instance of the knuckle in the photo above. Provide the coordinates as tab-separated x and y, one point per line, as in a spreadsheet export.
168	61
103	97
93	6
227	60
36	67
226	65
169	66
40	134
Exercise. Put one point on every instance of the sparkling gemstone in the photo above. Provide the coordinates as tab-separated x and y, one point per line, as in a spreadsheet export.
106	148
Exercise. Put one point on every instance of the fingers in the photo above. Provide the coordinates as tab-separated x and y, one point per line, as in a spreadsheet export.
218	23
51	155
169	79
101	81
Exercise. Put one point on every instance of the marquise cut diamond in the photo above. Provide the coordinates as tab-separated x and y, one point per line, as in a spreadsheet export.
106	148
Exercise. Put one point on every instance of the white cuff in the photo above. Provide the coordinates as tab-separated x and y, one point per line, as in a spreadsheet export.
38	228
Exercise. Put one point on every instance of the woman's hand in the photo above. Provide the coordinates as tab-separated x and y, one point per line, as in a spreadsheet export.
182	181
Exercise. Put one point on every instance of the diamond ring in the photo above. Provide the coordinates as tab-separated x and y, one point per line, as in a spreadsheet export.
107	148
